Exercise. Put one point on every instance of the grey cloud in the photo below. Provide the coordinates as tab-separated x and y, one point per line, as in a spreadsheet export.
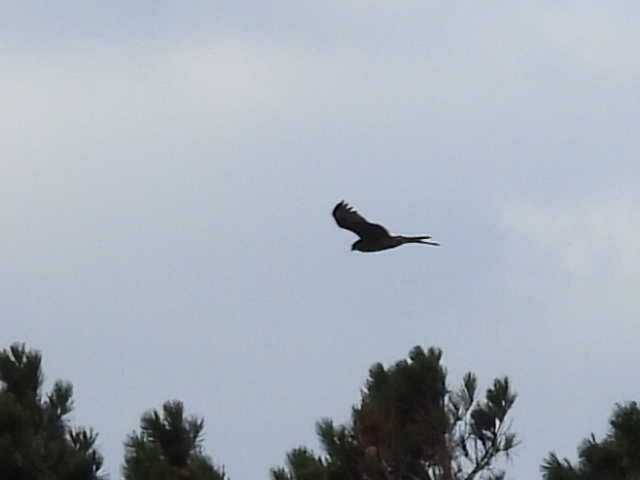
167	185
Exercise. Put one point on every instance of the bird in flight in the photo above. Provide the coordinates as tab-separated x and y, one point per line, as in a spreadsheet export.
373	237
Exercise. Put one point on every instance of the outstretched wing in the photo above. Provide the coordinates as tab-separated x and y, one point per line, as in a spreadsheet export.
347	217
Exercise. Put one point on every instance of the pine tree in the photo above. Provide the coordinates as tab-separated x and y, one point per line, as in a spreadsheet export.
409	425
615	457
168	447
36	441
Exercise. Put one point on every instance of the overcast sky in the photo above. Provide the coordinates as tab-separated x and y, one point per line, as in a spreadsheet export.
168	169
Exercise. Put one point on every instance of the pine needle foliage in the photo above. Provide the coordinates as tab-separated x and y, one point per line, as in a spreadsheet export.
36	440
168	447
615	457
409	425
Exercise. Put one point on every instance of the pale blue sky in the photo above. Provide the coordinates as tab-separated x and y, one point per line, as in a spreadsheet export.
168	171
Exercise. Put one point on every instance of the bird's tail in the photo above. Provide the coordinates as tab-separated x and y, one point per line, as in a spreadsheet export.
419	239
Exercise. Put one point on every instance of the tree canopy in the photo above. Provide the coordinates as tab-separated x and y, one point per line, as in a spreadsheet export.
615	457
36	440
410	425
168	447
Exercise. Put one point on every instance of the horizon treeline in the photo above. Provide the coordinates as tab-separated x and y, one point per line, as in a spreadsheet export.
409	424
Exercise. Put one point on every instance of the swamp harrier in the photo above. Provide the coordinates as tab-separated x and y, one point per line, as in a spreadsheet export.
373	237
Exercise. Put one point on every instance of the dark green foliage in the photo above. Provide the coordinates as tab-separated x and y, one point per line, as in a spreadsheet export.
302	465
168	447
409	425
21	374
343	453
35	439
615	457
176	436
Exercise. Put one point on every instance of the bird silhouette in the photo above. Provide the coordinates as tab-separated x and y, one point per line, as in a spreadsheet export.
373	237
